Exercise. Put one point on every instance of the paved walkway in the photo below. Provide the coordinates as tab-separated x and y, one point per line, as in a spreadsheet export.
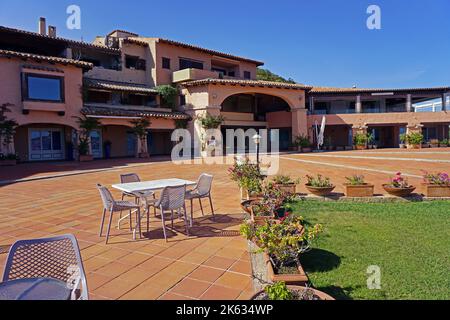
212	263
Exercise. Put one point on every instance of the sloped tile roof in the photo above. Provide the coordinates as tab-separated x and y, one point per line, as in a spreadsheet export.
251	83
122	112
118	86
374	90
39	58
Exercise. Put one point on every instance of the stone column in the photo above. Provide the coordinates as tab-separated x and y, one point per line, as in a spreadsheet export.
358	106
409	107
299	122
444	101
383	105
311	105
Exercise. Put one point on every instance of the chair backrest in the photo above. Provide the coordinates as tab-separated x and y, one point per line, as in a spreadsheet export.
172	198
204	184
107	198
57	258
129	178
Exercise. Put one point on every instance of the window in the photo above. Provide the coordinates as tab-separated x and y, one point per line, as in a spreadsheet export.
223	72
166	63
43	88
247	75
132	62
231	74
190	64
182	100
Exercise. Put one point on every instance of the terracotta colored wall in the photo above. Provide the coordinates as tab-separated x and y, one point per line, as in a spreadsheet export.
10	92
280	119
118	137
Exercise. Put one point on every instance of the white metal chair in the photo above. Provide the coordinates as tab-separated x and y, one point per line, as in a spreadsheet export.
112	206
56	258
172	199
201	190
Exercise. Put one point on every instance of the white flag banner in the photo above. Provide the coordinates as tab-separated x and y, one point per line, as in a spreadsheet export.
320	138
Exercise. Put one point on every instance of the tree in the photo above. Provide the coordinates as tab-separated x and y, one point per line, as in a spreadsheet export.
267	75
140	130
7	129
87	125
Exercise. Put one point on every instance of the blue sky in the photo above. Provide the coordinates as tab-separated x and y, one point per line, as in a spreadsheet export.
321	42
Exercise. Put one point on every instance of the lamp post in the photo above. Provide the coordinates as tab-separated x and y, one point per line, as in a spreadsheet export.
257	140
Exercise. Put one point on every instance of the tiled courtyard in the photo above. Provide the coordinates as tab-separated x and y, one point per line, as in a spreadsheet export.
213	263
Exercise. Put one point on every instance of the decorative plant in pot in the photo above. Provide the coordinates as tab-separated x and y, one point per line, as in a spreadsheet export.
303	144
7	130
281	291
87	125
360	141
402	141
285	183
414	140
208	122
248	177
140	130
444	143
282	244
319	185
356	187
399	186
437	185
371	141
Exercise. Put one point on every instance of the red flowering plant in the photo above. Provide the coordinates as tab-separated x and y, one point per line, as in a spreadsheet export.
440	178
247	175
398	181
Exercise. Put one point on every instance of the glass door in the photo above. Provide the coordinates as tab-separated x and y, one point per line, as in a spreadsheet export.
45	144
96	144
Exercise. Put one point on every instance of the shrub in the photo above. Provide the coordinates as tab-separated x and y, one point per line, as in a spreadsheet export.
355	180
208	121
444	142
278	291
168	95
302	141
398	181
441	178
414	138
403	138
9	156
319	181
360	139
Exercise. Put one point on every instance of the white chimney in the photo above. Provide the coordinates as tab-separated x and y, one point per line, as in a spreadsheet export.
42	24
52	31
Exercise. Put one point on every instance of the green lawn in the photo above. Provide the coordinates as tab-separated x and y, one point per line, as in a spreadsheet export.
410	242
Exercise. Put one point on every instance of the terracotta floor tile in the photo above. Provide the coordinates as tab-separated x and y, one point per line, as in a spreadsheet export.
114	289
113	269
173	296
195	257
206	274
233	280
144	293
191	288
219	262
136	275
96	280
134	259
242	266
216	292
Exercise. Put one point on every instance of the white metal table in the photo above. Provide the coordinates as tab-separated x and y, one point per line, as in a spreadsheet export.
139	188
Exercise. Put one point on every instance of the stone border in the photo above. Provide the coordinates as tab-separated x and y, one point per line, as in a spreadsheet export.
259	270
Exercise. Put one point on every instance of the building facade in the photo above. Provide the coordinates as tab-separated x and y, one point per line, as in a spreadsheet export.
50	82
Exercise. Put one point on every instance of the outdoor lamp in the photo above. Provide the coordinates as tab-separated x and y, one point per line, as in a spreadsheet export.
257	140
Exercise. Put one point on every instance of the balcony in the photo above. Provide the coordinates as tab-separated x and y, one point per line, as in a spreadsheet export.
193	74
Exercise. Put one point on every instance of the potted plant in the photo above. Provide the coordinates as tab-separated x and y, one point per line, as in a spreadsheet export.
285	183
319	185
414	140
437	185
281	291
398	186
360	141
9	159
434	143
140	130
370	141
303	144
357	187
248	177
402	138
282	242
87	125
444	143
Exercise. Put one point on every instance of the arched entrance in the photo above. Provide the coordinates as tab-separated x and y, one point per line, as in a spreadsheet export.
257	111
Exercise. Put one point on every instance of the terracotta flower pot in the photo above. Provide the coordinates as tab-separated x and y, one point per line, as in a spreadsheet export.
294	278
437	191
359	191
399	192
361	147
287	188
320	191
319	294
246	195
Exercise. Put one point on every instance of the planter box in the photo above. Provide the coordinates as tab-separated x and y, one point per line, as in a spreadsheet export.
321	192
320	295
306	149
437	191
245	195
399	192
86	158
414	146
359	191
288	188
8	163
297	278
443	146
